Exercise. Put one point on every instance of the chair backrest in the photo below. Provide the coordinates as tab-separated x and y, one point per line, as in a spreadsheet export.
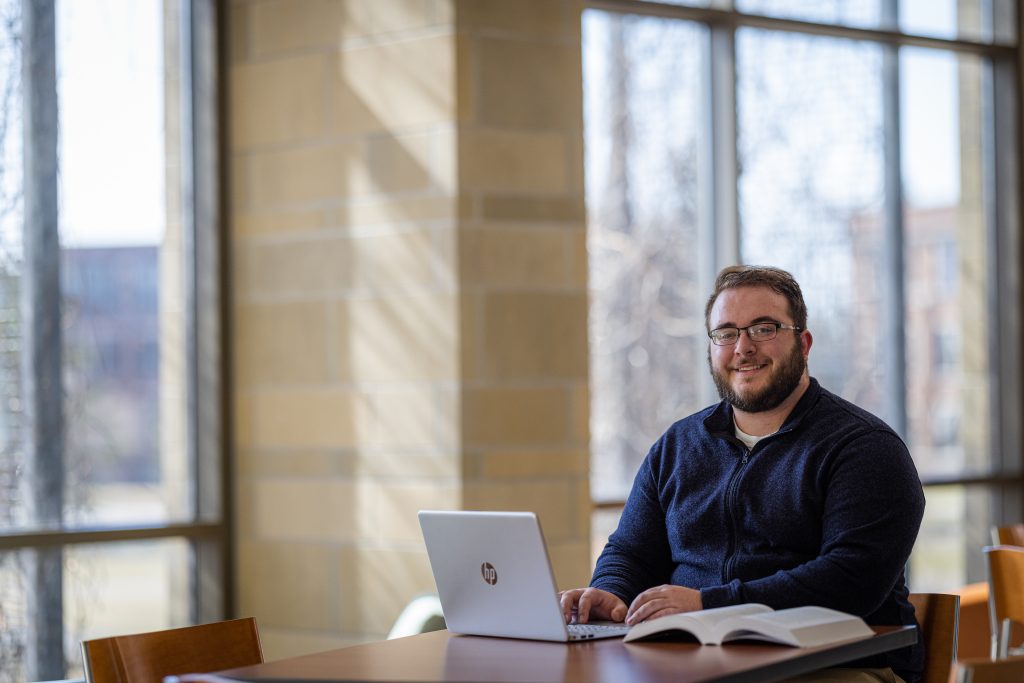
988	670
1005	564
938	614
973	638
1011	534
148	657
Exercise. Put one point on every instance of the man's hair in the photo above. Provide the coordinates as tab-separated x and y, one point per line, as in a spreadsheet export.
776	279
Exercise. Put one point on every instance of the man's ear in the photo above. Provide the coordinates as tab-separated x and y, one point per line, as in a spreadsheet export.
806	339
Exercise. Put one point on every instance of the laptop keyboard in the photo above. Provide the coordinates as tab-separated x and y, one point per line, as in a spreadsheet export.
585	631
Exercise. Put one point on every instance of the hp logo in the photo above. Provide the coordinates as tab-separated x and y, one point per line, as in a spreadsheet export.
489	573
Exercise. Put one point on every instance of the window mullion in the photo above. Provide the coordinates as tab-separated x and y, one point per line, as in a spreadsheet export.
202	253
1000	147
719	217
42	374
894	363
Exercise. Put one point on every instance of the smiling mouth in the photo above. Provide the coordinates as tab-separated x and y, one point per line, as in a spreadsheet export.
749	368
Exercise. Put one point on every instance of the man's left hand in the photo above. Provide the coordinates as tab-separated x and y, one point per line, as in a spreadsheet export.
661	601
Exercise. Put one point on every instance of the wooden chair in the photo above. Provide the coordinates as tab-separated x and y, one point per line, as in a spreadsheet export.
938	614
988	670
148	657
1005	564
974	639
1011	534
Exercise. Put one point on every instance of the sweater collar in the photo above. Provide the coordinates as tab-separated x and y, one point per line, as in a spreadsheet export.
720	420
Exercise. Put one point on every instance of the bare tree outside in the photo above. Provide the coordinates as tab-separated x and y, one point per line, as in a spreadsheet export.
12	608
810	152
646	313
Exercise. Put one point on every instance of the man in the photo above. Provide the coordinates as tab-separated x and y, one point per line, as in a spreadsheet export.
782	494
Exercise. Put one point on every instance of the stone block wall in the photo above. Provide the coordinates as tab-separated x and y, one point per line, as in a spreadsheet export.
408	306
523	269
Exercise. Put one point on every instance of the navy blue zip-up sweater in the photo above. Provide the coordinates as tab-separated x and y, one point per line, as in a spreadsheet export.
823	512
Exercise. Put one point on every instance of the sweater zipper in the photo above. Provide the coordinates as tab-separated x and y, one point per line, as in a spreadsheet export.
730	503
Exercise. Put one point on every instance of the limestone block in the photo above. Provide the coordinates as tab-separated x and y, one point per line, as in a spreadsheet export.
516	463
280	643
511	257
281	343
403	163
515	416
529	84
278	101
536	335
382	463
241	179
469	211
466	86
239	20
579	259
574	147
406	15
581	414
387	507
551	499
288	25
293	463
471	351
400	211
414	419
287	584
295	267
512	161
533	17
313	509
307	174
403	259
583	508
378	583
394	86
280	222
245	514
405	337
522	208
307	418
570	561
241	416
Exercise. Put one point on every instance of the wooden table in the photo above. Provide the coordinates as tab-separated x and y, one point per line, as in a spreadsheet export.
439	656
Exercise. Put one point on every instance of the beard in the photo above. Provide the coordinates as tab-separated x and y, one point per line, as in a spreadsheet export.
784	380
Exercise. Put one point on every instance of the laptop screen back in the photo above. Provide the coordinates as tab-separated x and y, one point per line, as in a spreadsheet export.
493	575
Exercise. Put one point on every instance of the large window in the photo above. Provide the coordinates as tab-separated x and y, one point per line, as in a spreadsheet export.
111	490
869	147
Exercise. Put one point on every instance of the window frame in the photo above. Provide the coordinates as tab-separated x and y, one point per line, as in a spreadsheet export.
208	532
1003	160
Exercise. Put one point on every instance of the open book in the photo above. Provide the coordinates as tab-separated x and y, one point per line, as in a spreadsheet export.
797	626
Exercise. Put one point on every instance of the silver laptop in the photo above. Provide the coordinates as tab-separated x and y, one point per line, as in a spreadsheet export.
494	578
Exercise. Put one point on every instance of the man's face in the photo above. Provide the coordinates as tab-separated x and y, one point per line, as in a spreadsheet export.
755	377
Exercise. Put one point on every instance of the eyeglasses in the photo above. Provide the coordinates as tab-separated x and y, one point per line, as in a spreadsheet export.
758	332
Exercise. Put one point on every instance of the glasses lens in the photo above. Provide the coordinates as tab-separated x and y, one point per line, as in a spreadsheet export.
762	332
725	336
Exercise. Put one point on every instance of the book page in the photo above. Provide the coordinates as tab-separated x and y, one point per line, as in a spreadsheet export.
701	624
716	615
798	626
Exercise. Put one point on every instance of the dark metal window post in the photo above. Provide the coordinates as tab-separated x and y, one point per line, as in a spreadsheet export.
42	366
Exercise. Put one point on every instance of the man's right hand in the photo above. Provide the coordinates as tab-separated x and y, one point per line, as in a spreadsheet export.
590	603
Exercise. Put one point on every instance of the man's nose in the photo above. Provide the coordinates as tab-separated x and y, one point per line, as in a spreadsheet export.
744	346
